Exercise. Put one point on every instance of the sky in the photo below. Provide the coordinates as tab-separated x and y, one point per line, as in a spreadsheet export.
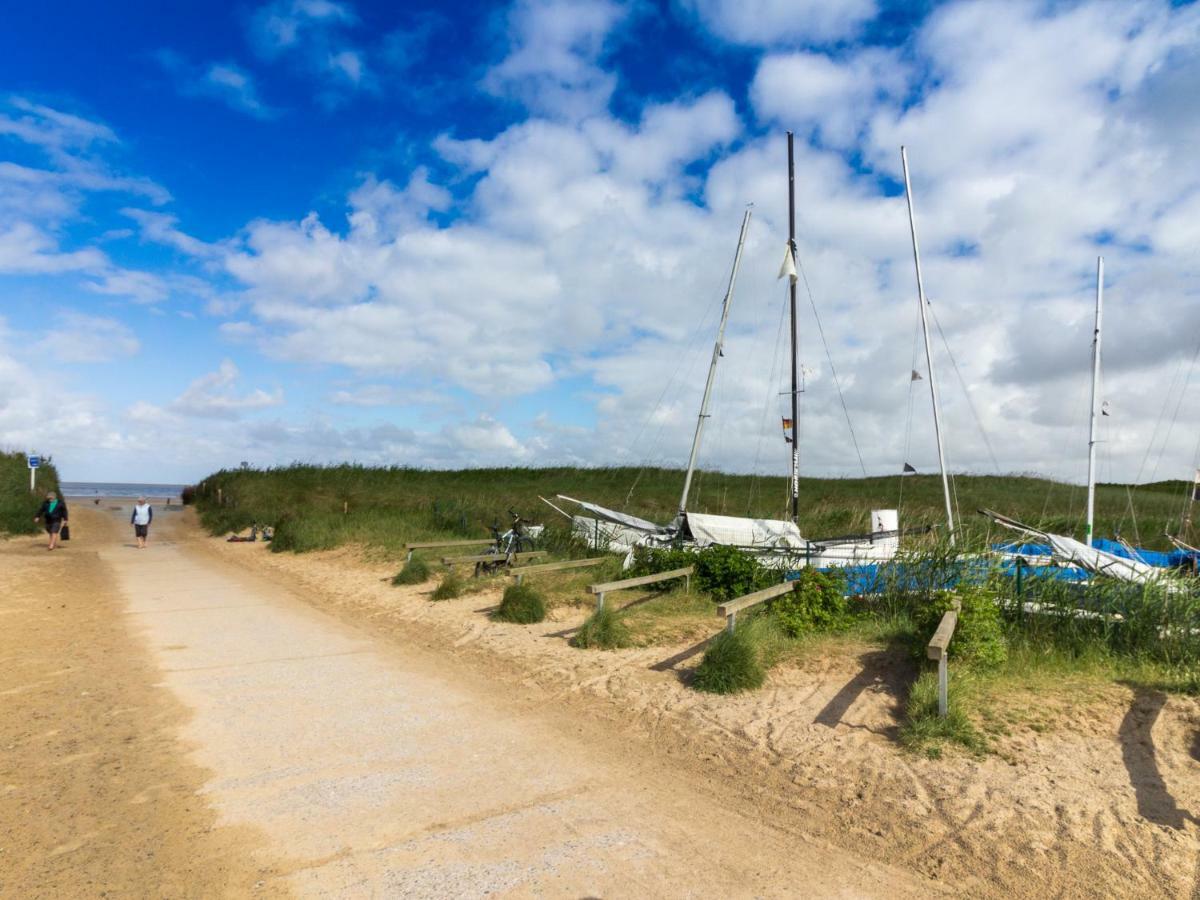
500	234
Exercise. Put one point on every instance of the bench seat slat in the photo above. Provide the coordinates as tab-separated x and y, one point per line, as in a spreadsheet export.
740	603
638	582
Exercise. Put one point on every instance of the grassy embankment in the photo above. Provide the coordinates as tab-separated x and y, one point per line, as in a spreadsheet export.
17	504
1011	669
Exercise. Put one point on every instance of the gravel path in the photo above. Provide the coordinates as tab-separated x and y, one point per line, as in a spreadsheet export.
378	773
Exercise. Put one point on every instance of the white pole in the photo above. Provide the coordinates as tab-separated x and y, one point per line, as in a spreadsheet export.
1091	472
937	427
32	479
712	367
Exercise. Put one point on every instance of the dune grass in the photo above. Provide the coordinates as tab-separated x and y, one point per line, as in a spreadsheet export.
738	660
17	504
451	587
387	507
415	571
521	604
605	629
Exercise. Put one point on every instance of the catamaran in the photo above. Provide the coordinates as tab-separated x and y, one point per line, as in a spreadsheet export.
777	543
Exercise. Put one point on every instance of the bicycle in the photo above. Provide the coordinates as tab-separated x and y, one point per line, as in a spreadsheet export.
517	539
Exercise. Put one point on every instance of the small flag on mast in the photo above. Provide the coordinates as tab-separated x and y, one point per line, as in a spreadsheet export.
1196	486
916	376
787	424
908	470
789	265
1104	408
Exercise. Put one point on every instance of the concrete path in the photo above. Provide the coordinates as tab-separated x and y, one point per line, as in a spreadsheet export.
374	772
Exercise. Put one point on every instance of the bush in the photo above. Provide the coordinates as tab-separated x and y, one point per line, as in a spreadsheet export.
521	604
979	635
450	588
739	661
415	571
818	603
721	572
603	630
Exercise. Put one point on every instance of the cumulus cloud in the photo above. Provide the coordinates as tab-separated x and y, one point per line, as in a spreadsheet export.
771	23
553	66
80	338
215	396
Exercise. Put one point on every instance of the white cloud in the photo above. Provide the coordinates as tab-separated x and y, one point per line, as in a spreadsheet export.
80	338
771	23
215	396
224	81
553	64
313	34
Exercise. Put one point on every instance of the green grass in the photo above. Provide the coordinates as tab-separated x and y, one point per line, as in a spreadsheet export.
415	571
450	587
925	731
390	506
17	505
603	630
738	660
521	604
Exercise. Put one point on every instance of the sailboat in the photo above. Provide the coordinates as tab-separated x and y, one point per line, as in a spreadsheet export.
777	543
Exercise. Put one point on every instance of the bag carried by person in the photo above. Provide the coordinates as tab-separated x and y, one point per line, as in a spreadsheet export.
65	533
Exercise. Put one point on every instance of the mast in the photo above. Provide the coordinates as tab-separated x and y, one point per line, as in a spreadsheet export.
937	427
712	367
1091	470
795	487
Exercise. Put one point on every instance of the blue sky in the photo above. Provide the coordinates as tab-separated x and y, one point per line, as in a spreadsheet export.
320	230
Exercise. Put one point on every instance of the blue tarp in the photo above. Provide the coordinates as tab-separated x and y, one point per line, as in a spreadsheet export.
874	578
1175	559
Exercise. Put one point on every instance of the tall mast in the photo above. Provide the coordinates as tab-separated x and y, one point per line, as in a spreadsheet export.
937	426
1091	475
795	369
712	367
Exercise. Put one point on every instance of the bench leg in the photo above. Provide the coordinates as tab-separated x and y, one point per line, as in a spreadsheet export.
520	577
730	622
943	687
408	556
687	584
600	601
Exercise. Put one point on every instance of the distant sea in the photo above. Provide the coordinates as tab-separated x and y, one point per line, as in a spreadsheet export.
118	489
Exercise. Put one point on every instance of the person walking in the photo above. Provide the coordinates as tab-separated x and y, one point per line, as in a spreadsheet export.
53	514
140	519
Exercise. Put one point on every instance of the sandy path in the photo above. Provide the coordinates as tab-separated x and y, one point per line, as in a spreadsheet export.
385	773
97	795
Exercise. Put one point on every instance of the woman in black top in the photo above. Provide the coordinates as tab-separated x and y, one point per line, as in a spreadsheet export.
53	514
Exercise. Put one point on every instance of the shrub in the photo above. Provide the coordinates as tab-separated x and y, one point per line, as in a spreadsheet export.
722	572
603	630
979	634
415	571
450	587
521	604
739	660
818	603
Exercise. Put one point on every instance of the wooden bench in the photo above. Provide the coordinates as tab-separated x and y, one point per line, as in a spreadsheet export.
492	558
601	589
731	608
521	571
939	649
426	545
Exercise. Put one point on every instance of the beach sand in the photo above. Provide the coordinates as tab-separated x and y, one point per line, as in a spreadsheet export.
325	733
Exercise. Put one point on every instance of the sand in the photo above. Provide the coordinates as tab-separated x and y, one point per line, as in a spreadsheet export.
1097	797
328	734
97	792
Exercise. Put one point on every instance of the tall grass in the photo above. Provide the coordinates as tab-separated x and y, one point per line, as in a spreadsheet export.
17	504
389	506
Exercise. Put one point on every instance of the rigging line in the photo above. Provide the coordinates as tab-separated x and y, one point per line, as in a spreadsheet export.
963	384
681	360
909	420
832	369
1175	416
772	388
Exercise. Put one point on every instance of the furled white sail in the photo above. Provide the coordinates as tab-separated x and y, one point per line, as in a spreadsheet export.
738	532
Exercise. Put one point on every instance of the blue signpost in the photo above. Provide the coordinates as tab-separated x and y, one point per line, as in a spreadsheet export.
34	462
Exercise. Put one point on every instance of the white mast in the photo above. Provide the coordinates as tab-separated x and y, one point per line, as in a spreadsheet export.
712	367
937	428
1091	475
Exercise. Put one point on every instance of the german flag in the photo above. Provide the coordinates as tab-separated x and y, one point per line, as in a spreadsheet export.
787	424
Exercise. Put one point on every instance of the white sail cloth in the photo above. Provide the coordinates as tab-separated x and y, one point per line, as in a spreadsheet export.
735	531
1077	553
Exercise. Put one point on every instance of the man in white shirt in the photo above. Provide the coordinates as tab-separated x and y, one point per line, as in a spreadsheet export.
143	515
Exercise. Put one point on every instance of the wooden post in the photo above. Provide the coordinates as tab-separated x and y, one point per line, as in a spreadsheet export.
345	507
520	576
730	621
943	686
600	601
220	499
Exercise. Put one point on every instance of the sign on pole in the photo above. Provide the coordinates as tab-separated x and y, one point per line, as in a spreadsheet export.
34	462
